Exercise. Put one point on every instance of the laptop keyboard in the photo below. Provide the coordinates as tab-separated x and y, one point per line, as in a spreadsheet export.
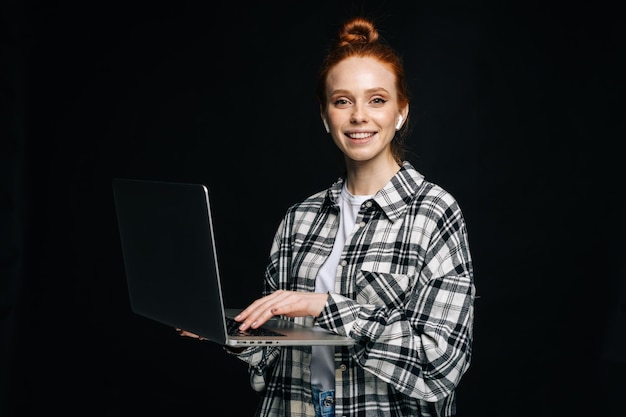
232	327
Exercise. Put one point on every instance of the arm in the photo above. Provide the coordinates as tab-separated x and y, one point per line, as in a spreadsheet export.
415	329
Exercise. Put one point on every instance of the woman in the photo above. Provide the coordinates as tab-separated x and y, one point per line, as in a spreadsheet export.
381	256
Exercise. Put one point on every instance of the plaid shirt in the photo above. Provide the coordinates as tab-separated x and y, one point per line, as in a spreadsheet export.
404	291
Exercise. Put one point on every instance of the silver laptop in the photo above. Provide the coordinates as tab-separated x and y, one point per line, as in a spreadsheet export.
172	272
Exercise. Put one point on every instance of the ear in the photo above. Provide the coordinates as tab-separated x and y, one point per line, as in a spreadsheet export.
402	118
399	124
324	120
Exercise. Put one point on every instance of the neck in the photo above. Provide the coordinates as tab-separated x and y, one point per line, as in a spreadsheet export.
365	178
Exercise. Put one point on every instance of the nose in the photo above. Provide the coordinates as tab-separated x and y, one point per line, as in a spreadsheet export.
358	116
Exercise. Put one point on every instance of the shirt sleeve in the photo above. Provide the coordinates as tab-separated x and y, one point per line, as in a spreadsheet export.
419	341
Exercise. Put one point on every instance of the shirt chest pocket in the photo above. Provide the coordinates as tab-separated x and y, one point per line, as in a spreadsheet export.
382	288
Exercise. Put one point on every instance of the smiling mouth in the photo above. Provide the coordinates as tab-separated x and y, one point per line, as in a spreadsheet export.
362	135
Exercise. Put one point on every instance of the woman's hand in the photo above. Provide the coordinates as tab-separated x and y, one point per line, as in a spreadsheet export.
281	302
189	334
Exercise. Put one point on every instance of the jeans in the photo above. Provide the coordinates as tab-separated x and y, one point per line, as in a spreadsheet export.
324	402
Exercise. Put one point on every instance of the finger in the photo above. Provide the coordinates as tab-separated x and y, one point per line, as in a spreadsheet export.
260	307
262	310
256	319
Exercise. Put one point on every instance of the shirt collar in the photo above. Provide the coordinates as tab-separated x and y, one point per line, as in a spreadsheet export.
393	198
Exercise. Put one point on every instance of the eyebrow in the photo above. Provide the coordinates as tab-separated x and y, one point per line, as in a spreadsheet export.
368	91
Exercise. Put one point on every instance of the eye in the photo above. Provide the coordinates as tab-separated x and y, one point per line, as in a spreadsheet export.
341	103
378	101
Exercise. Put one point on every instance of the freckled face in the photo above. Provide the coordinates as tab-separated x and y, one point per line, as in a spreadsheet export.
362	109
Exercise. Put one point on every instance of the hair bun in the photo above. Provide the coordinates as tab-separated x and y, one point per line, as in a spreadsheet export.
358	31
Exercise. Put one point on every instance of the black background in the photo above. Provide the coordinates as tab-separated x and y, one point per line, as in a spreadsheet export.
517	110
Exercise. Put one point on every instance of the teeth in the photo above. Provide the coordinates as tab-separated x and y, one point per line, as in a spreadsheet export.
360	135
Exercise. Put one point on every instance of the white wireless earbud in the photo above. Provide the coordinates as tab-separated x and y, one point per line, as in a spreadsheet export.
326	126
399	125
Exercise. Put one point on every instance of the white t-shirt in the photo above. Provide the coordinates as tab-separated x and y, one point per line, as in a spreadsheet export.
323	363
